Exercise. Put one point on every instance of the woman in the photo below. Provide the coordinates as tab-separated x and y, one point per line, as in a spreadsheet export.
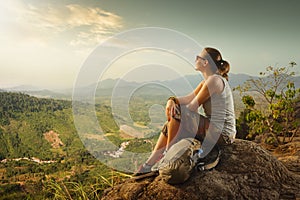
183	120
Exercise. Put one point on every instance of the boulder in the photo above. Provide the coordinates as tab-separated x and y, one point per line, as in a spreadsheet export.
245	171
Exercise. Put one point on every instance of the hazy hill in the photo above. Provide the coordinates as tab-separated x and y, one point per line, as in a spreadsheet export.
40	147
23	121
119	87
23	88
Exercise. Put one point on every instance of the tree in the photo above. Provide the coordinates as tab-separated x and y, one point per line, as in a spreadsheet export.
278	94
250	121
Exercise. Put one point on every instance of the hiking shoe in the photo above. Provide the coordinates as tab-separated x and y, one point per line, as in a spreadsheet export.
143	169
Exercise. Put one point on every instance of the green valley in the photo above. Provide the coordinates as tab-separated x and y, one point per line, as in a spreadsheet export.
41	152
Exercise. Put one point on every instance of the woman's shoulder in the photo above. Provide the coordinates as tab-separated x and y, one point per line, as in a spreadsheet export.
216	81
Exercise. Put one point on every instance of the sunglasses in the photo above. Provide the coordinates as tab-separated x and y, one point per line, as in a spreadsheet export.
199	57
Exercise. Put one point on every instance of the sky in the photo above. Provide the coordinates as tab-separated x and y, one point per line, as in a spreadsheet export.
46	43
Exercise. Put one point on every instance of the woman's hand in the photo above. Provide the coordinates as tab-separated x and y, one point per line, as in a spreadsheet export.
170	109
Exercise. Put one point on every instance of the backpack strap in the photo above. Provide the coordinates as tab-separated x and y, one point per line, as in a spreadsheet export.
202	166
145	175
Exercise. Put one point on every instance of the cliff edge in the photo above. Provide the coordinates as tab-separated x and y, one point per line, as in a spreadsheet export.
245	171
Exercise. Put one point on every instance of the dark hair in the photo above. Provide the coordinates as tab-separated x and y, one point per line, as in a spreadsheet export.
222	65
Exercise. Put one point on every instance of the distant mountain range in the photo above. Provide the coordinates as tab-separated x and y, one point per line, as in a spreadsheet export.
121	87
23	88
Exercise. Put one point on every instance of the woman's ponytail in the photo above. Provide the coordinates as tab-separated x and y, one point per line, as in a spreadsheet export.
223	68
222	65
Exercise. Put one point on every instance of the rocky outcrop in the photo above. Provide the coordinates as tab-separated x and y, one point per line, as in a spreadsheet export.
245	171
297	109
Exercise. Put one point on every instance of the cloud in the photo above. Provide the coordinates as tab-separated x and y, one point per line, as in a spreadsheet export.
50	39
79	25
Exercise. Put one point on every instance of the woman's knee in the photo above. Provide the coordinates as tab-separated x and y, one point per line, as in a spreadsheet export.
174	122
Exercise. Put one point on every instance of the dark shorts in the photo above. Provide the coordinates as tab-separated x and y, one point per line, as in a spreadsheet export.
192	124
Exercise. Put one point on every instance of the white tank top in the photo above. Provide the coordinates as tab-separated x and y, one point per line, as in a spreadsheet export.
219	109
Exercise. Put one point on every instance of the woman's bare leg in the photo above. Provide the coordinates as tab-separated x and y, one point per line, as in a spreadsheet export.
173	127
164	142
158	149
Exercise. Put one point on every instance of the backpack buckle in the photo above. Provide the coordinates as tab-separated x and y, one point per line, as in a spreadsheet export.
200	166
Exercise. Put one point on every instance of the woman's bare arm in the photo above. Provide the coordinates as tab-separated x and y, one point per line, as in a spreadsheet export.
188	98
212	85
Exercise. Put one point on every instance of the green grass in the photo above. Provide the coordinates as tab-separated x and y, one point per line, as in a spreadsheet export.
68	190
